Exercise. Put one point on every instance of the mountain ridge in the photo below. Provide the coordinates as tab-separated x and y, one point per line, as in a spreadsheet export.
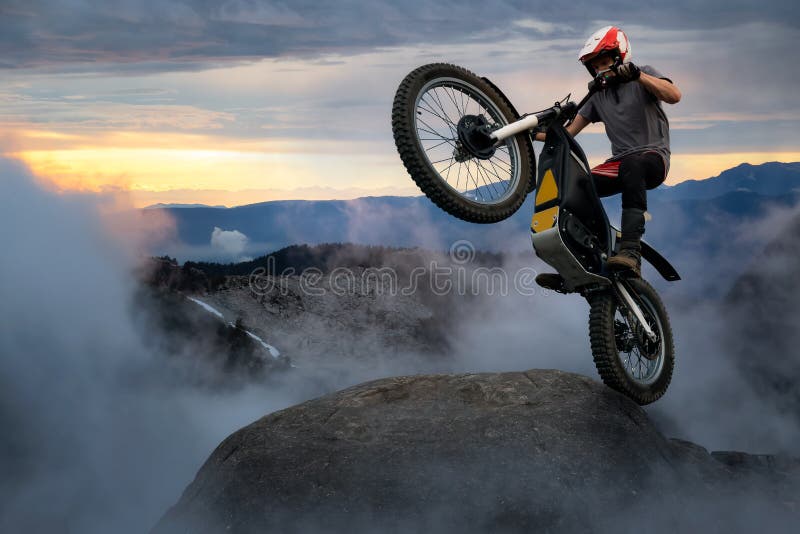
771	178
409	221
728	180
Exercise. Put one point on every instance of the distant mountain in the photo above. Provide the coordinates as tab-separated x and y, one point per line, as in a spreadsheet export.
712	241
691	229
386	221
162	205
771	179
328	257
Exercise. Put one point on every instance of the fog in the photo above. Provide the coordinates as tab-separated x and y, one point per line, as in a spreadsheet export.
96	435
96	427
712	400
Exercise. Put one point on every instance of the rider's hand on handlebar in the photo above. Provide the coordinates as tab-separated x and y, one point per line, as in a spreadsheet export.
627	72
601	82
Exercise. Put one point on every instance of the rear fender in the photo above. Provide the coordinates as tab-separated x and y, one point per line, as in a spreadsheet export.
660	263
655	259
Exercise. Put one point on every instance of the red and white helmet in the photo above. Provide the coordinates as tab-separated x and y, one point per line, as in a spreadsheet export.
609	39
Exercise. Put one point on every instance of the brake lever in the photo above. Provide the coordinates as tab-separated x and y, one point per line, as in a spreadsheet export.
617	64
600	81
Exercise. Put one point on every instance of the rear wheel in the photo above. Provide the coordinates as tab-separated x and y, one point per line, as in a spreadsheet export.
626	358
431	104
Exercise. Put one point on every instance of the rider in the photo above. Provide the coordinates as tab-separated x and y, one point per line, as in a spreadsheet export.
630	108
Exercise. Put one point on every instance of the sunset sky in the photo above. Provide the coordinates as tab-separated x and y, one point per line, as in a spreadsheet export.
241	101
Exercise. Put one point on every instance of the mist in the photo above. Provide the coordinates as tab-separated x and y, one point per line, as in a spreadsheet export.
712	400
96	425
98	435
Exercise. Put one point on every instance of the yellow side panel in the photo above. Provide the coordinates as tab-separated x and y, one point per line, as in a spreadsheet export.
544	220
547	189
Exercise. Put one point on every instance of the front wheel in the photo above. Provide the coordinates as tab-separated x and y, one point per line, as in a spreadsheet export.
431	109
627	360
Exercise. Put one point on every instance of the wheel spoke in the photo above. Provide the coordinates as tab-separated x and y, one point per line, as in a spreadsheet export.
439	144
477	187
483	176
447	176
443	116
452	97
435	96
431	130
641	358
491	182
496	170
446	120
492	171
448	167
500	157
438	110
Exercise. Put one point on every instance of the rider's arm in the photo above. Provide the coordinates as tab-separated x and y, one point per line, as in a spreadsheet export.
664	90
578	123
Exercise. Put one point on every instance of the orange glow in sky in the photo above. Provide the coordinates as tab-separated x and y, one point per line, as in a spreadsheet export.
249	131
193	168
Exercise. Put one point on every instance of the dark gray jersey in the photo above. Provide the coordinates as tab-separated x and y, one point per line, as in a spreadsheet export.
633	117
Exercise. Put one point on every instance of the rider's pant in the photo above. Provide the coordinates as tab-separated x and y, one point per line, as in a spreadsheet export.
636	174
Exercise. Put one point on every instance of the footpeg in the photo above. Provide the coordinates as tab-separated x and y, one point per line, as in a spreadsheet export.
551	281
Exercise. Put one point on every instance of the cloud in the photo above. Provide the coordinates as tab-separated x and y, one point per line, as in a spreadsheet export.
542	27
712	400
262	13
47	32
95	113
76	432
96	423
127	75
229	242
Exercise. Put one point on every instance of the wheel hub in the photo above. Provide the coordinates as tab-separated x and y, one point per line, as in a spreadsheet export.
648	348
473	135
627	338
623	337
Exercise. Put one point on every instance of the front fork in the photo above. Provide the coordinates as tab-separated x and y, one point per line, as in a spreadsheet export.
633	308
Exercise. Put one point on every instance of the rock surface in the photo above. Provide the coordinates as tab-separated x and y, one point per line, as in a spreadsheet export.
332	331
510	452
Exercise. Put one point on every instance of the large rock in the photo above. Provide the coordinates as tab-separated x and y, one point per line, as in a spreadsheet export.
524	451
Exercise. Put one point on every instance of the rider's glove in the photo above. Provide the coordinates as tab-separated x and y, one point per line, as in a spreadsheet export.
601	82
628	72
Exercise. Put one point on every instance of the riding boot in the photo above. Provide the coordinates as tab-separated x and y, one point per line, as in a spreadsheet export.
629	256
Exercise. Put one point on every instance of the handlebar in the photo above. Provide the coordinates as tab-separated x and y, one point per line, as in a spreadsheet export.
566	112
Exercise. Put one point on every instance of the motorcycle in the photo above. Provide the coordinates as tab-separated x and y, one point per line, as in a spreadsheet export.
470	152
